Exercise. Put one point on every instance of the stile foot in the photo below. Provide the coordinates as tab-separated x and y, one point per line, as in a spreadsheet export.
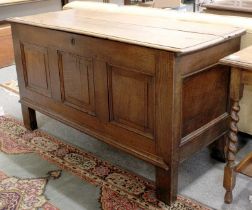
29	118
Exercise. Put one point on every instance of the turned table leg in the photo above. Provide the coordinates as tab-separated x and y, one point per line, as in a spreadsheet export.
229	171
29	117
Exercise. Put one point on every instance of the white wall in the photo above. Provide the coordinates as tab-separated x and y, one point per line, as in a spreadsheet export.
29	8
119	2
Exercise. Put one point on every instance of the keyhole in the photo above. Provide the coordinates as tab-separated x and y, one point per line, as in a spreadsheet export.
73	41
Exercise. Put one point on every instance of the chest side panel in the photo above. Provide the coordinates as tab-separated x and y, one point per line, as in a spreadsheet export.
205	96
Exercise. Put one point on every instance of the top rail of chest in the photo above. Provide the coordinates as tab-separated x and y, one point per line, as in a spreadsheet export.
155	32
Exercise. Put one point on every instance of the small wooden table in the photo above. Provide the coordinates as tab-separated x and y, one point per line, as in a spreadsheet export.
241	74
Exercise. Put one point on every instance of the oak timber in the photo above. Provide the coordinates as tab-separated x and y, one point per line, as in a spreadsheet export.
173	35
6	46
241	74
146	87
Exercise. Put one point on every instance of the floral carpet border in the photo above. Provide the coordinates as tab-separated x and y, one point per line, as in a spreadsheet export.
91	169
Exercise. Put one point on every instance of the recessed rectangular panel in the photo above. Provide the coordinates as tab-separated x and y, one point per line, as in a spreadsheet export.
131	100
77	86
204	98
36	71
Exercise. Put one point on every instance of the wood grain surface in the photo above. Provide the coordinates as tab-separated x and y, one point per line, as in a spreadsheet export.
159	105
6	46
156	32
241	74
240	59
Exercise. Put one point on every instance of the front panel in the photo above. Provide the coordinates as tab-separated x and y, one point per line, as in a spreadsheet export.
131	99
77	84
101	87
35	68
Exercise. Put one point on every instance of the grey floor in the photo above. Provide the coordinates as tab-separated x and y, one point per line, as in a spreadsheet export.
200	177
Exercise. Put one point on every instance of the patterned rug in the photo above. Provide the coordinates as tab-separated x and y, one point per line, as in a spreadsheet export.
27	194
120	189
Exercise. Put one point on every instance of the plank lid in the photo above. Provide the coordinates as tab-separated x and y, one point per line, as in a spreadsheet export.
156	32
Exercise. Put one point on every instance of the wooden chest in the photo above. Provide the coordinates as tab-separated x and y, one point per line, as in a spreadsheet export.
149	86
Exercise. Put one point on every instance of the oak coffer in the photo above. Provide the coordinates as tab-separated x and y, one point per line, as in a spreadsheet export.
150	86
